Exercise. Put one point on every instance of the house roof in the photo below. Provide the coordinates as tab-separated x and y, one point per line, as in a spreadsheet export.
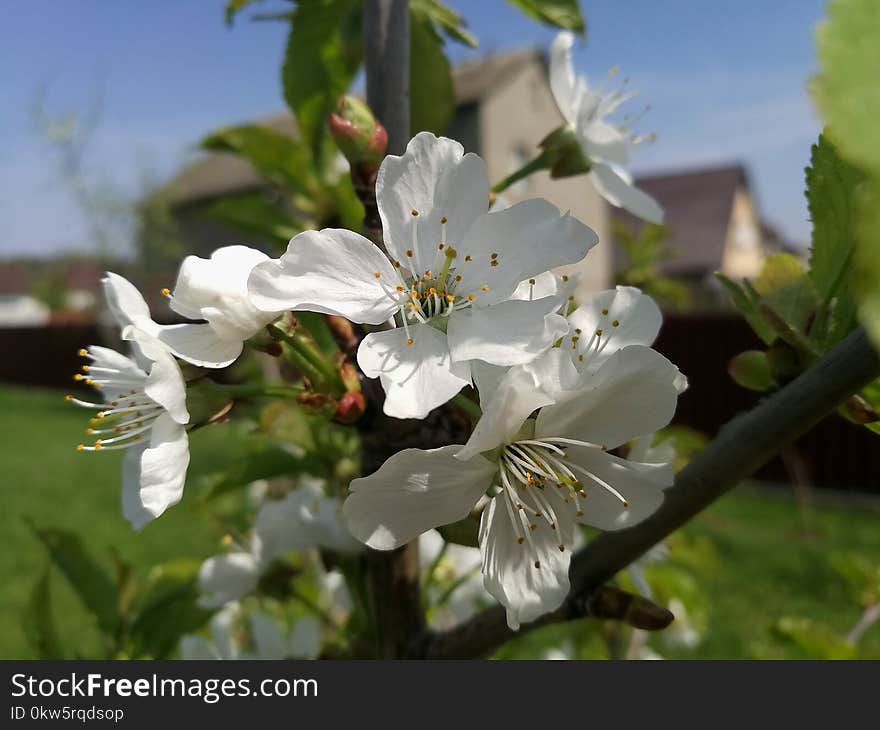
219	173
698	205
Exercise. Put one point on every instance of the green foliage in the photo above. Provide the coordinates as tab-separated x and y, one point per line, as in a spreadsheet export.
868	259
831	188
559	13
39	623
279	158
846	90
751	369
318	66
787	300
747	306
254	214
85	575
449	21
815	639
432	97
646	251
264	462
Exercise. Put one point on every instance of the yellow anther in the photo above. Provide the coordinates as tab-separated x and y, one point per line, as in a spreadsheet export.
605	312
538	564
450	298
396	264
615	323
83	352
562	548
409	341
458	277
68	397
443	219
440	246
533	526
580	513
78	377
494	262
580	358
166	292
485	287
427	272
520	540
98	446
532	282
626	504
598	333
494	256
399	288
578	330
565	277
471	297
85	368
90	431
409	252
414	212
79	447
377	274
227	540
467	258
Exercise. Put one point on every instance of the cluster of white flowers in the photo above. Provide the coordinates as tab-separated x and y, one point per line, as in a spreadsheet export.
462	296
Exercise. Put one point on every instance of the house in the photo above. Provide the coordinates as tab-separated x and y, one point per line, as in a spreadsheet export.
712	219
18	306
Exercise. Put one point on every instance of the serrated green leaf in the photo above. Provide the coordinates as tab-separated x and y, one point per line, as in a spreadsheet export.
254	215
88	579
846	90
168	610
282	160
38	622
559	13
451	23
318	66
868	259
431	96
747	308
784	287
831	198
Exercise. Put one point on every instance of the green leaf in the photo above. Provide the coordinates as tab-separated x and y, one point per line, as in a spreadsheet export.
868	260
254	215
88	579
751	369
319	66
169	610
282	160
452	24
38	623
432	96
559	13
783	286
831	197
816	640
268	462
846	90
747	308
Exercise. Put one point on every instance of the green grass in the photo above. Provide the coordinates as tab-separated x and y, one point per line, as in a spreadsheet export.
746	559
46	480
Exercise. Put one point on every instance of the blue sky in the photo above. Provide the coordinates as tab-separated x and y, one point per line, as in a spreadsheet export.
725	81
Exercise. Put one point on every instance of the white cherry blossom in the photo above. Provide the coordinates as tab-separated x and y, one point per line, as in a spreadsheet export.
142	409
605	145
447	283
545	475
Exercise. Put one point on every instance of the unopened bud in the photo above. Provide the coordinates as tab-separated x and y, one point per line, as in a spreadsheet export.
351	407
751	370
359	136
349	375
343	332
313	401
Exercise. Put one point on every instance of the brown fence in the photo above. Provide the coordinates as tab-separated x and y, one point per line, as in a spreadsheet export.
834	454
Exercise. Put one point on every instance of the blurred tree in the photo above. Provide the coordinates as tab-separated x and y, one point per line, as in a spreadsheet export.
645	251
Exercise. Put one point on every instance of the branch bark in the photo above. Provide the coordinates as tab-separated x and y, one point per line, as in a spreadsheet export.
742	446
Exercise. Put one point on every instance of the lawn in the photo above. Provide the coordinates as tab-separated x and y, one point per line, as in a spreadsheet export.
747	557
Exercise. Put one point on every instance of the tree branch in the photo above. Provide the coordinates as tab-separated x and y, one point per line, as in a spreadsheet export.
392	578
742	446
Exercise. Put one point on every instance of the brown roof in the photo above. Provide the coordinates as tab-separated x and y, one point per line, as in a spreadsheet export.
698	206
219	173
15	278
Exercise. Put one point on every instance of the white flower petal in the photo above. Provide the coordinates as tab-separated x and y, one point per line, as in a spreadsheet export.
508	333
269	641
199	344
515	398
562	78
225	578
486	379
416	378
615	185
509	571
153	477
412	492
164	383
126	303
632	394
603	142
638	321
641	485
529	238
436	179
331	271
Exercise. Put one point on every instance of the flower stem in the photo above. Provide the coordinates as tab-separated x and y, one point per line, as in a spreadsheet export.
309	359
256	390
541	162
